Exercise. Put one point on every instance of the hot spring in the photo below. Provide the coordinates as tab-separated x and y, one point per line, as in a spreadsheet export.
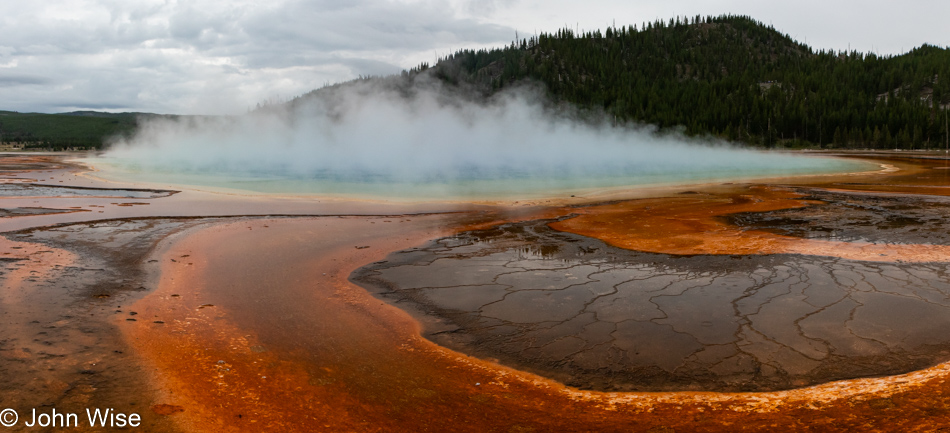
372	143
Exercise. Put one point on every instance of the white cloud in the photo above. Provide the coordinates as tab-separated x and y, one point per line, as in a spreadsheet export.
213	56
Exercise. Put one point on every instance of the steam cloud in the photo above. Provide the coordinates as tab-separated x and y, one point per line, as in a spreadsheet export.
425	134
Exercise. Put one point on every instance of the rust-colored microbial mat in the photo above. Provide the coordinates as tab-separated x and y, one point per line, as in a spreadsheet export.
697	225
242	347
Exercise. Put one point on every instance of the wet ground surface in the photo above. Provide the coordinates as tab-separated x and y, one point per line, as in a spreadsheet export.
64	289
21	162
39	190
604	318
857	216
28	211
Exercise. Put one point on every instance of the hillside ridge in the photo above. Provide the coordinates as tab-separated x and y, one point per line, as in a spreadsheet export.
730	77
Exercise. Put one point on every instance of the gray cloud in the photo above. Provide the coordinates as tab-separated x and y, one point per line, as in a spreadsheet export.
82	105
194	57
13	80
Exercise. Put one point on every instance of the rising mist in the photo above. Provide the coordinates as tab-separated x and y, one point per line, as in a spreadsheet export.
372	133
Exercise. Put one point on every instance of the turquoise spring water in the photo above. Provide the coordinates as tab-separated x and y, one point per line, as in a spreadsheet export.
474	182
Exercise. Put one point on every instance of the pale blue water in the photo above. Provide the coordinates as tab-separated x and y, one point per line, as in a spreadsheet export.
471	181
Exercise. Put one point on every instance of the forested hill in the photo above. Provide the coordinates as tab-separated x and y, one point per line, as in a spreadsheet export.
727	76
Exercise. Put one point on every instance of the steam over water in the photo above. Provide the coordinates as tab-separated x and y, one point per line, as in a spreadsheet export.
426	143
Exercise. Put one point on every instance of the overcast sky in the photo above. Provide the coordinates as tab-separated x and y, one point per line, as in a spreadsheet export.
221	57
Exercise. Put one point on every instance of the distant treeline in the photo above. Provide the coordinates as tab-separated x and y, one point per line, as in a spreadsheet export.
76	130
727	76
